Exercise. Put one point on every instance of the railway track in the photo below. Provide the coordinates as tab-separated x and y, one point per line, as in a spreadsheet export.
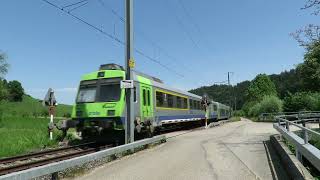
27	161
19	163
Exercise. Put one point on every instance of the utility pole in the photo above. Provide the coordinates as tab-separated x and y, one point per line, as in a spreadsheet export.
129	122
229	78
230	104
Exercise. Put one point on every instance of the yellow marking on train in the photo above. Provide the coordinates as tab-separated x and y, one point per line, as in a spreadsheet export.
175	94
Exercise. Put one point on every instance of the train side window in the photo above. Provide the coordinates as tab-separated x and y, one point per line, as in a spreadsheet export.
144	97
135	94
160	99
190	103
193	104
148	97
178	102
170	100
185	103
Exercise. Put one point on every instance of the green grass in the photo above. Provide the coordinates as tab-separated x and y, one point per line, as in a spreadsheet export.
31	107
23	135
23	126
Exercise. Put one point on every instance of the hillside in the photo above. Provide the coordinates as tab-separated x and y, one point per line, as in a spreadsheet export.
31	107
285	82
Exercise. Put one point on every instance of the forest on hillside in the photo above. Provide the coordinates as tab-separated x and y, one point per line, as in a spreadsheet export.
286	83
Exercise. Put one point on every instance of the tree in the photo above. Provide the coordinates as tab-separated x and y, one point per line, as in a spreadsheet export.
3	65
15	90
287	82
307	35
302	101
310	33
315	4
261	86
310	69
3	91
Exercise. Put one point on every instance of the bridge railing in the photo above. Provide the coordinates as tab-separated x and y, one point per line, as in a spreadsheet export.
302	146
272	116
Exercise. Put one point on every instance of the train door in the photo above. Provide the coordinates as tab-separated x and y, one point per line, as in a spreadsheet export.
146	101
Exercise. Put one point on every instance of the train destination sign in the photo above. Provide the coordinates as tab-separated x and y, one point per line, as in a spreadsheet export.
126	84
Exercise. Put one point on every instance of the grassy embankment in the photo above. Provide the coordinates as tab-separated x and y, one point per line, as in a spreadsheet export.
23	126
235	118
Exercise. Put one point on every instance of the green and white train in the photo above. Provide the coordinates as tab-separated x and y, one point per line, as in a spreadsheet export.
100	104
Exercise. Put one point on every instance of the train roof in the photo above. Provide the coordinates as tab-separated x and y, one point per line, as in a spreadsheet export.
159	84
155	81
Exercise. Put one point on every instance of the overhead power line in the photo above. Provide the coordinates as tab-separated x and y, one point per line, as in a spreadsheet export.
183	28
73	4
141	34
114	12
78	6
193	22
110	36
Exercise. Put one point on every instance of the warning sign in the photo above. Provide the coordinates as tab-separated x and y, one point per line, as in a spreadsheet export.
132	64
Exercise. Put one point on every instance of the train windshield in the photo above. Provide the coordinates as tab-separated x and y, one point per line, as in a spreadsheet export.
87	92
109	90
102	90
109	93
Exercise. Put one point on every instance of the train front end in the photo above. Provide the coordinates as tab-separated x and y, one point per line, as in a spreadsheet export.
100	105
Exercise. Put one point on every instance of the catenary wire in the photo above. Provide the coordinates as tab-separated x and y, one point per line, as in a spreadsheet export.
112	37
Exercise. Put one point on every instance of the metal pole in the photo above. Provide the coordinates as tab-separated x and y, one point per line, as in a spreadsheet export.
228	78
305	136
287	126
129	129
51	121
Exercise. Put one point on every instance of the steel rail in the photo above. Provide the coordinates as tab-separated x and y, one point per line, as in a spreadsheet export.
40	162
54	167
49	157
41	153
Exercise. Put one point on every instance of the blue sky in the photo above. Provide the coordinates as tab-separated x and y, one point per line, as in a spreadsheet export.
204	39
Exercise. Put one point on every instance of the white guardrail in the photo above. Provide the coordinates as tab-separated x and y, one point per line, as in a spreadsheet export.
78	161
301	144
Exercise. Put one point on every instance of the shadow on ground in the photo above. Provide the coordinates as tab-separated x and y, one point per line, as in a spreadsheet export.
278	172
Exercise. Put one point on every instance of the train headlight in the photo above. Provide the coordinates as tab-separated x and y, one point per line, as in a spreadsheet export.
111	112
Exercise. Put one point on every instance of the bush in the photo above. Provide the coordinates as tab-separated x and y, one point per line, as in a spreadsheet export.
254	111
302	101
247	107
239	113
269	104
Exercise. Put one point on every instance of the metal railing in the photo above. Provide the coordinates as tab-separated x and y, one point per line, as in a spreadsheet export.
55	167
272	116
302	146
